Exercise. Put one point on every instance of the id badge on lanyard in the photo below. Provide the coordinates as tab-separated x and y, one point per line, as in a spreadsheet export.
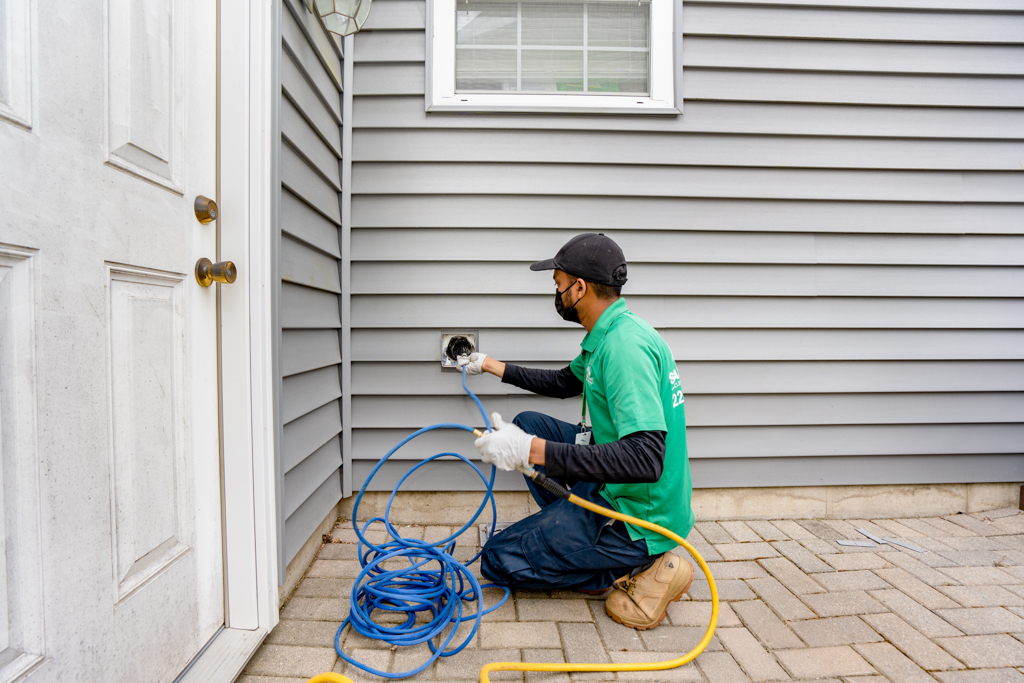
583	436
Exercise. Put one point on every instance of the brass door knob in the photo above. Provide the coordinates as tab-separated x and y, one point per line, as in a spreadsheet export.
208	272
206	209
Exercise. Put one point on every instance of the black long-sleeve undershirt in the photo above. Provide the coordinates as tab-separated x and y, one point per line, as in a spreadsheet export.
635	458
554	383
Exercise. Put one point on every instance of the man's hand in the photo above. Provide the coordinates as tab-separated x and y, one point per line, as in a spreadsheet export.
474	363
507	447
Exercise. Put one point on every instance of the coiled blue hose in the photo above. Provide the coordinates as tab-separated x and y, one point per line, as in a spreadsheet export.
418	587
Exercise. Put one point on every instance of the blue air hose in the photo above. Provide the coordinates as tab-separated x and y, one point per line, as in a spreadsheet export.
434	583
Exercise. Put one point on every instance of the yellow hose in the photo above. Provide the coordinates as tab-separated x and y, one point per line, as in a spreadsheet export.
648	666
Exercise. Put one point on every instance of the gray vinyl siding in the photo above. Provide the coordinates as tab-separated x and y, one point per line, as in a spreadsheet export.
307	255
831	239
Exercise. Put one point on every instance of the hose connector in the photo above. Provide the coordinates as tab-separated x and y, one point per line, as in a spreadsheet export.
528	471
549	484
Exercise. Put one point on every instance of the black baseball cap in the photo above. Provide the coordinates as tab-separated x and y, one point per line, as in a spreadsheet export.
590	256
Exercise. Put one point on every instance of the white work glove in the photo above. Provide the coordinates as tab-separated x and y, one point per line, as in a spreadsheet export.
474	363
507	447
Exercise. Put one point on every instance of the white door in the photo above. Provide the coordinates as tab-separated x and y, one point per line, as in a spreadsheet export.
108	349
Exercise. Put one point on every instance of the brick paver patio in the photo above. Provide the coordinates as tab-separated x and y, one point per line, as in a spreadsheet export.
796	605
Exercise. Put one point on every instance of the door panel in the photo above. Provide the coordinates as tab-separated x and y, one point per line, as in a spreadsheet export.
110	439
21	633
145	43
148	492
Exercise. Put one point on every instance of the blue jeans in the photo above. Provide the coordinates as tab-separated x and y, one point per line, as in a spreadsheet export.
563	545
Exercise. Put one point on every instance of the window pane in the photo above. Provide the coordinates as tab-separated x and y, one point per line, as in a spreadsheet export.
485	23
617	72
553	23
553	70
485	69
618	24
542	46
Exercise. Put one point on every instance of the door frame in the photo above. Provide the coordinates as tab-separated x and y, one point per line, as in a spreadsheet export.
244	186
244	181
244	171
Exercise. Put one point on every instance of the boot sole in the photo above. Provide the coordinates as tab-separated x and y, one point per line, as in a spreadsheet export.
647	626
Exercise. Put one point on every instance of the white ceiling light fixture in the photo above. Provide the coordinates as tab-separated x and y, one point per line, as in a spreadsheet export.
341	17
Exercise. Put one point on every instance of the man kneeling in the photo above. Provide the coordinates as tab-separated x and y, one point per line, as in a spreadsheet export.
633	459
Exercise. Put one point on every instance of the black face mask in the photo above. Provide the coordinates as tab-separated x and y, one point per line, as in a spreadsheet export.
568	314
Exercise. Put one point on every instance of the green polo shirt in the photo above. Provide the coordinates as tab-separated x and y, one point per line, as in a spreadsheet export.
632	385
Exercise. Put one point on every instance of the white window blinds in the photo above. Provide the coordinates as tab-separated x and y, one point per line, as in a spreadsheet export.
601	47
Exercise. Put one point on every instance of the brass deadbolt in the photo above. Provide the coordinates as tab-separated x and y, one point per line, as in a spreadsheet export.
208	272
206	209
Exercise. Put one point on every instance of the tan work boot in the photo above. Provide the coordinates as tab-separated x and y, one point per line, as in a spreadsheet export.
641	601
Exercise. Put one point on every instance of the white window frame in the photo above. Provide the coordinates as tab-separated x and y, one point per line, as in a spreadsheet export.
440	74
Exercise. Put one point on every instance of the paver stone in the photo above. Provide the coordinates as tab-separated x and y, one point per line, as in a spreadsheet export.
924	652
720	667
289	660
915	588
983	596
791	576
983	620
819	662
763	623
981	676
741	532
753	658
519	634
980	576
914	614
677	638
785	604
857	580
979	652
693	613
801	557
746	551
893	663
834	631
553	610
844	603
